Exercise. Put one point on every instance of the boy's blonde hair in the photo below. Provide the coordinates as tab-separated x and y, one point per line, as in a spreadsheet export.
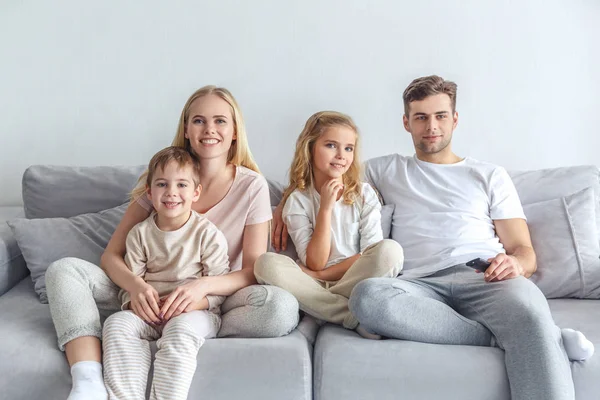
301	170
178	155
239	152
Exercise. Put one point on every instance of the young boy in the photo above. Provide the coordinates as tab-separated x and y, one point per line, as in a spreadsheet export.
171	247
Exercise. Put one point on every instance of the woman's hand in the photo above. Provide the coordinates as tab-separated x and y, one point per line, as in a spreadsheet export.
329	193
184	298
279	233
144	302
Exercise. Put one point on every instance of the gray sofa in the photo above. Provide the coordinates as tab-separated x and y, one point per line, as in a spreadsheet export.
341	365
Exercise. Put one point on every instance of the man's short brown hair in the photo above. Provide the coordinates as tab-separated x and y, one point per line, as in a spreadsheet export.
427	86
180	156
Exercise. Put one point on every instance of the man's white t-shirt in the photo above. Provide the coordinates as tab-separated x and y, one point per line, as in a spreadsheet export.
354	227
444	212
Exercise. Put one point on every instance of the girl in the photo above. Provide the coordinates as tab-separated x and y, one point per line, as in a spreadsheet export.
212	127
334	221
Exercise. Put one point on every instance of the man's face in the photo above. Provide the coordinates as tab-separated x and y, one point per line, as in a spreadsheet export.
431	123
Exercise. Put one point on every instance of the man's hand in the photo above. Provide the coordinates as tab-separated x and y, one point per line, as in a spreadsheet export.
184	298
144	302
503	267
329	193
279	233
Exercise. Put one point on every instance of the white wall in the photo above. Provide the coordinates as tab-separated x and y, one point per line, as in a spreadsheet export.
103	83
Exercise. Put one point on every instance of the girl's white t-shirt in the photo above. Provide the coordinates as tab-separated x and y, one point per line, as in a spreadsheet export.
354	227
246	203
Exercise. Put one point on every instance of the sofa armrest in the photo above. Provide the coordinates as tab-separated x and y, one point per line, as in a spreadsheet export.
12	265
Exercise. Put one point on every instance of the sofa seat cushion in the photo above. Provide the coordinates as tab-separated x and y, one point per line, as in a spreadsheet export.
278	368
348	367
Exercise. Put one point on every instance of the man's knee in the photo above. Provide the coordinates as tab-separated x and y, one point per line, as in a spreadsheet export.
365	297
526	304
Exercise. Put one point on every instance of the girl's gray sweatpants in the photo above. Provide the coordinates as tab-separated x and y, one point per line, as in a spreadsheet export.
81	295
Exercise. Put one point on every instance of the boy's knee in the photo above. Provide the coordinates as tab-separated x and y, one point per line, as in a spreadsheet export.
121	323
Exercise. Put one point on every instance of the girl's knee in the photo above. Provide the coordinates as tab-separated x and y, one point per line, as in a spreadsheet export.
389	258
267	267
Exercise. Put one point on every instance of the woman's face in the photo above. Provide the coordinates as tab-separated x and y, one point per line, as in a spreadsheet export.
210	127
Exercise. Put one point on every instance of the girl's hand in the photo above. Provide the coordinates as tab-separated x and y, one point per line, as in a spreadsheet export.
329	193
309	272
144	302
184	298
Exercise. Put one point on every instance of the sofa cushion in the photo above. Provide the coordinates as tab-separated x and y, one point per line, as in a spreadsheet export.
62	191
45	240
12	263
253	369
349	367
564	236
554	183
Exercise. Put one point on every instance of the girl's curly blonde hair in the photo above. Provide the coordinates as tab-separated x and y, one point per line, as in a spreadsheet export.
301	170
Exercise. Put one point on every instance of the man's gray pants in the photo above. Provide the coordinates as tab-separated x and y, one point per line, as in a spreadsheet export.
456	306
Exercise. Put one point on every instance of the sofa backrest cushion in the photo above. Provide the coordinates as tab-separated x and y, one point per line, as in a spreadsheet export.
63	191
564	236
555	183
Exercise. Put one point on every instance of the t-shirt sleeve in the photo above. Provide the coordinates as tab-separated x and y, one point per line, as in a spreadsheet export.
214	261
370	218
504	199
299	225
145	202
135	257
260	202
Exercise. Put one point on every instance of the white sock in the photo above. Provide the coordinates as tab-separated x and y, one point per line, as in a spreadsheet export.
366	334
576	345
88	382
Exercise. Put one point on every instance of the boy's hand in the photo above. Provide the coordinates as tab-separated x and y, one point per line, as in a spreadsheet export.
503	267
184	298
329	193
144	302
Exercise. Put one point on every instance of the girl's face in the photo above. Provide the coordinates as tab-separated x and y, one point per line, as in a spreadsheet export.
210	127
333	152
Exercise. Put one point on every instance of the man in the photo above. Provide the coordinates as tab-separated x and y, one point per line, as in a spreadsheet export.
450	210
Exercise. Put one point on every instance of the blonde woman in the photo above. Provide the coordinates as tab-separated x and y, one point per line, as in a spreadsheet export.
334	221
235	198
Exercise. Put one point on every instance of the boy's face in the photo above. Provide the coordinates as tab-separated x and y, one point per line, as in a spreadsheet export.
172	191
431	123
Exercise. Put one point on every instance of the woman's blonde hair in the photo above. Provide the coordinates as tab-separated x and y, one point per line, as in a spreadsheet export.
301	170
239	152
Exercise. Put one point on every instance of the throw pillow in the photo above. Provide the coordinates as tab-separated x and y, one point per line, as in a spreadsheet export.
43	241
565	239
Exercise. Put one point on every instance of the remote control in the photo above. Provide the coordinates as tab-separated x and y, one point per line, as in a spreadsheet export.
479	264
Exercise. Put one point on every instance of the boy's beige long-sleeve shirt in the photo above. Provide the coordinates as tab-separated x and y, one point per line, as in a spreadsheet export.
168	259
